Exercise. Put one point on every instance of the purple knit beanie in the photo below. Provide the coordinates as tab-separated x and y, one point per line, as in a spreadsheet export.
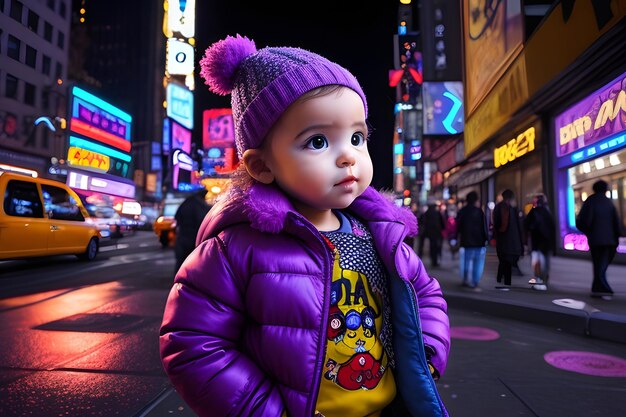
264	82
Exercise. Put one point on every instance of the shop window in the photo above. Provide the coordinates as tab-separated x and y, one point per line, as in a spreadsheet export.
47	31
61	40
29	94
45	65
33	21
13	47
16	10
60	205
21	199
10	87
31	56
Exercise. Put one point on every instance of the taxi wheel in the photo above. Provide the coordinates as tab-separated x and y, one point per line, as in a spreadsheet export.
91	251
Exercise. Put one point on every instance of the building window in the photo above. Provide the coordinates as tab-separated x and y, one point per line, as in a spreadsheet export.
29	94
59	71
16	10
47	31
1	6
31	56
10	88
33	21
62	9
45	65
13	47
61	40
51	4
45	100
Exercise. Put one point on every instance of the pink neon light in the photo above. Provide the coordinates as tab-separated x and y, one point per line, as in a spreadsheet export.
100	135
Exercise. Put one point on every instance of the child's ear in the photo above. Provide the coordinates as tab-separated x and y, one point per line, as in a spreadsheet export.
254	161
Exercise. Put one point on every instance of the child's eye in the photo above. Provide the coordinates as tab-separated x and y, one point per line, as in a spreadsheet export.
357	139
317	142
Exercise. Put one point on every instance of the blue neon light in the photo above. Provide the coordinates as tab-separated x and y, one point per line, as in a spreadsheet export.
94	147
600	148
80	93
571	215
456	105
47	122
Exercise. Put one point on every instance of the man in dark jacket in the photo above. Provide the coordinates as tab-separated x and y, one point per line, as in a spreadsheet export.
433	225
508	232
472	228
598	220
189	217
539	225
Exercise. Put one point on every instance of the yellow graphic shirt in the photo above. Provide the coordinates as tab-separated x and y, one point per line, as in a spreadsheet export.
356	380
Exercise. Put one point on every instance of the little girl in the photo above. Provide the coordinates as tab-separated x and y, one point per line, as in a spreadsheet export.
300	298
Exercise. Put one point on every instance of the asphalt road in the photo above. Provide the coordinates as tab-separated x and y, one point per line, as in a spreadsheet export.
80	339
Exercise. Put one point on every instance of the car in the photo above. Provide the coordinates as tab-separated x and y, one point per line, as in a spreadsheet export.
41	217
165	225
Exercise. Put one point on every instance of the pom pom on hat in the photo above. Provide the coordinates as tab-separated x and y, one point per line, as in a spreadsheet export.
221	61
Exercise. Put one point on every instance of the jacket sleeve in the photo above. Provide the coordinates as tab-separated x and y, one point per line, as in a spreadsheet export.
433	311
201	336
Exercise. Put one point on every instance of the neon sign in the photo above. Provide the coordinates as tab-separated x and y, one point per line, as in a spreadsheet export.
180	105
598	116
84	158
515	148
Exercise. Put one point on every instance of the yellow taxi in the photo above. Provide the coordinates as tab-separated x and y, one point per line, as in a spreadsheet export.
165	225
40	217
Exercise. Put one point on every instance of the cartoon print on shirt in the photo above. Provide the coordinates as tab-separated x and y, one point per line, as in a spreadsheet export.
352	329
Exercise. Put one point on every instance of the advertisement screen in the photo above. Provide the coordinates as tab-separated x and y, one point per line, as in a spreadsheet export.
217	127
180	104
443	108
493	35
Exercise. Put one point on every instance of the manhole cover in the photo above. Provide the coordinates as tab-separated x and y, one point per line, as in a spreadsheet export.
473	333
96	322
588	363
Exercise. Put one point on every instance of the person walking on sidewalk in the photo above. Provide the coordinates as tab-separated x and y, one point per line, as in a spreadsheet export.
540	227
598	220
434	225
472	235
509	246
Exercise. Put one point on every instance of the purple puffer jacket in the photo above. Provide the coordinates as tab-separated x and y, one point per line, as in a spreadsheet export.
243	332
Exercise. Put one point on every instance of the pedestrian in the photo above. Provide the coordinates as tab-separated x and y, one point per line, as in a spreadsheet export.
508	231
189	216
473	238
285	308
599	221
541	230
433	225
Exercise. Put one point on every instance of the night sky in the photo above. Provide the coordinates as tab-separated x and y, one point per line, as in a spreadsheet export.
359	38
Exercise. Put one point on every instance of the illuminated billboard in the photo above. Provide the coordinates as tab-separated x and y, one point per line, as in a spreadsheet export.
180	104
217	127
180	57
598	116
493	34
181	137
107	185
180	17
443	108
96	119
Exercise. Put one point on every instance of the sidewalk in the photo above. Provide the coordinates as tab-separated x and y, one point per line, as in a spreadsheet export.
566	304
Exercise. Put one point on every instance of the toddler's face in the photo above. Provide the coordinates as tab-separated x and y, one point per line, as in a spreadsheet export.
318	151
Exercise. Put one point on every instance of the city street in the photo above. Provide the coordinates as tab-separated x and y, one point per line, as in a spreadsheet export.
80	339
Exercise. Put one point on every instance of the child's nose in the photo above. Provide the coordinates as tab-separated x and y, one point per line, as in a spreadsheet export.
346	158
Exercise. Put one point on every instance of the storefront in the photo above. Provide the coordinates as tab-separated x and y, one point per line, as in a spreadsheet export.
590	144
518	164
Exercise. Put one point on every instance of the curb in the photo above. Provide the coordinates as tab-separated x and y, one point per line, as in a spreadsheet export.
601	325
